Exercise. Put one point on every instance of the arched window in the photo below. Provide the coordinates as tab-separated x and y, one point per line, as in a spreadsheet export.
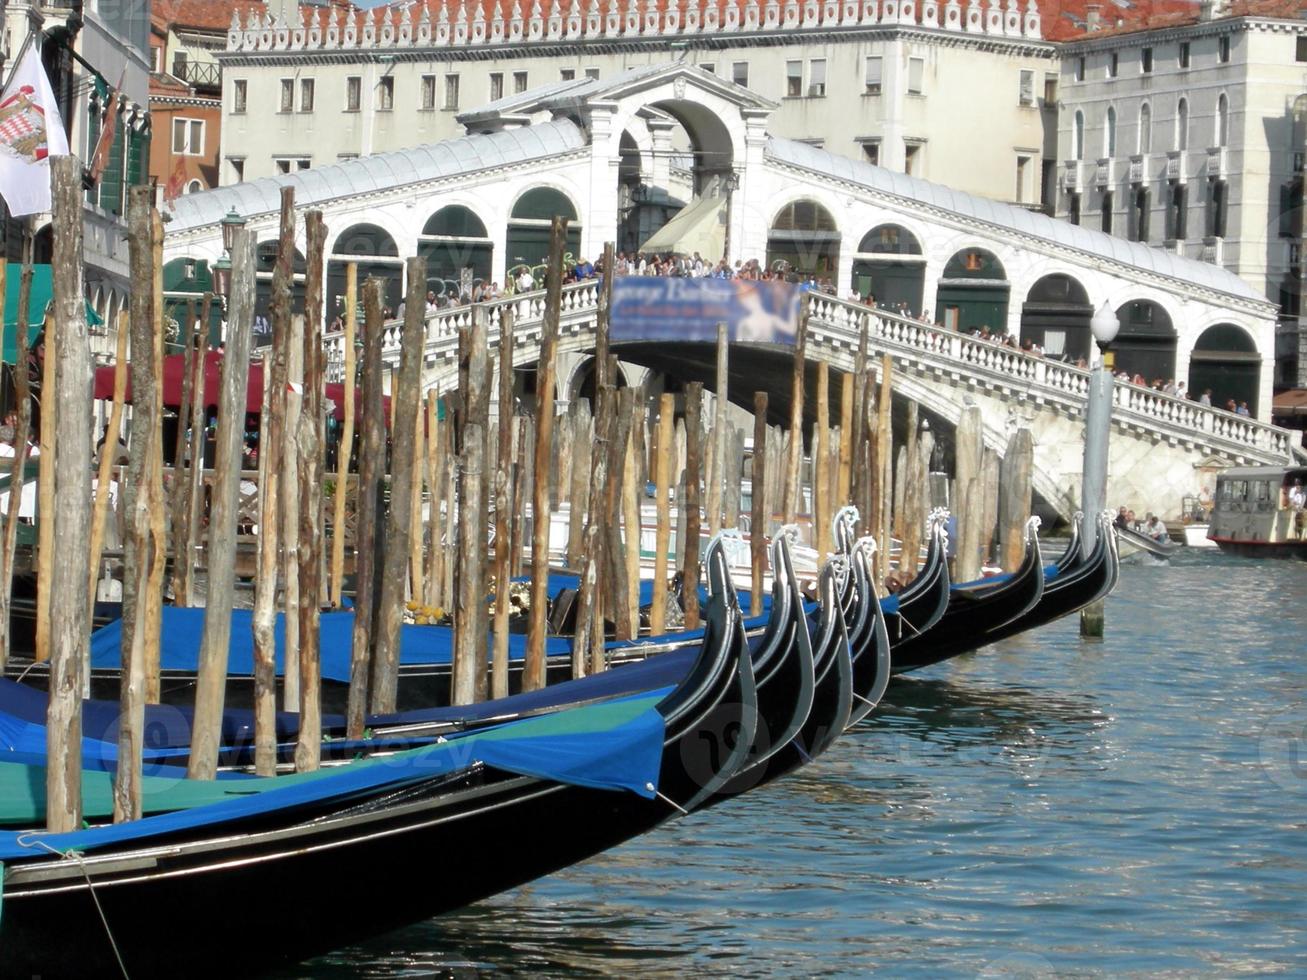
194	186
374	254
890	269
528	230
804	240
973	293
1222	120
1226	362
1145	129
1078	137
1182	125
1109	134
454	239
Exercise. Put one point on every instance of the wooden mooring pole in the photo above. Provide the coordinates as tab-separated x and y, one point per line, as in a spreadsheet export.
504	506
662	509
345	448
758	518
690	505
469	680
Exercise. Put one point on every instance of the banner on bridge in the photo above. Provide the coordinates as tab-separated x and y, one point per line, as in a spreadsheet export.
688	310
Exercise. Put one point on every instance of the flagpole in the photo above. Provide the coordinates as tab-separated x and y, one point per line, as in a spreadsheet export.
17	59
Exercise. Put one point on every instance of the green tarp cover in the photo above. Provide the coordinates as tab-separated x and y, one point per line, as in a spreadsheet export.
42	291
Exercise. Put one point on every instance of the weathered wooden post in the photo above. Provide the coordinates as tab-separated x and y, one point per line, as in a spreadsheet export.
184	461
791	500
18	468
437	443
469	680
662	510
690	504
579	494
1014	497
345	447
69	612
968	507
105	473
885	453
758	501
632	487
603	322
403	426
821	509
589	634
195	476
617	594
308	445
372	460
860	476
264	618
212	682
844	491
504	506
717	469
533	670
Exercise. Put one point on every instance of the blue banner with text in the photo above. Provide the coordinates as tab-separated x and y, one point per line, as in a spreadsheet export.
651	308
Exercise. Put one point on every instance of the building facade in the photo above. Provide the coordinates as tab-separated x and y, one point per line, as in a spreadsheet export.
957	92
1185	131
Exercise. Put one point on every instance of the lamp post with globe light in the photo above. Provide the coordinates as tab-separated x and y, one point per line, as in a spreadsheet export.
1098	420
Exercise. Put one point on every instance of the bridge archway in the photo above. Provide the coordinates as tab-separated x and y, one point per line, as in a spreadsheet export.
583	381
1146	344
1056	316
1225	359
804	240
973	292
265	259
528	230
889	265
454	239
372	249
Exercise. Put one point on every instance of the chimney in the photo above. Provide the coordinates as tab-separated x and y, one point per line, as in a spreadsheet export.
1208	10
1093	16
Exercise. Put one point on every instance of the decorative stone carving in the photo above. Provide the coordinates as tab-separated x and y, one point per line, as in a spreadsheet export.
870	11
535	25
479	25
994	18
515	23
1033	27
771	14
632	23
651	19
953	16
975	18
672	18
554	26
442	26
613	19
691	25
1012	19
424	27
574	20
370	28
930	13
889	12
729	16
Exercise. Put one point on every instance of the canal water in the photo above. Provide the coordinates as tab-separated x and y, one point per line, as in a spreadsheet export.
1047	806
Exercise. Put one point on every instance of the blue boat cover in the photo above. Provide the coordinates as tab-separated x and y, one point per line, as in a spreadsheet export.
616	745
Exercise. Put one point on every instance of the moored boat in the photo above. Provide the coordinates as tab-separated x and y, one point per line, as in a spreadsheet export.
1259	512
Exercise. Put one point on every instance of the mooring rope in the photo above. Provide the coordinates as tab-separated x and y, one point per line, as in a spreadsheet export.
666	799
74	855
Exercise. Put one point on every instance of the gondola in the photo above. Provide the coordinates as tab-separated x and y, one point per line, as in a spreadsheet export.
1075	581
977	610
411	849
920	605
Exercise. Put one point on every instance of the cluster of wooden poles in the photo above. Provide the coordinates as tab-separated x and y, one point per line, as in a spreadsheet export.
465	468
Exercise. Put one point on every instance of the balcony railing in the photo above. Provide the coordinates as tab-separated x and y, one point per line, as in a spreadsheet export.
1216	161
1175	169
201	74
1103	172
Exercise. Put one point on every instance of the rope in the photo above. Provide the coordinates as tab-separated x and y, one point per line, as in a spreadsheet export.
74	855
667	799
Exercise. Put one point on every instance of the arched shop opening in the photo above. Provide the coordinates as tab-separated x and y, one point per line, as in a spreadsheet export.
456	246
1056	316
890	268
528	232
1146	343
375	255
1226	360
804	241
265	260
973	293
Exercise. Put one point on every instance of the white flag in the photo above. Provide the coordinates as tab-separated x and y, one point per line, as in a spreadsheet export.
30	133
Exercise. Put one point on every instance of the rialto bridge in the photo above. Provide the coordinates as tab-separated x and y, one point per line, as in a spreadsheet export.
604	153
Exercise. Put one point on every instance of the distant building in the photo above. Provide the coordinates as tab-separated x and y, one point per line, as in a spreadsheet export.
1182	126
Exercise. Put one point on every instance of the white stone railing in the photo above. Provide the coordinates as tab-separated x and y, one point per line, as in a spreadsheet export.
836	325
412	26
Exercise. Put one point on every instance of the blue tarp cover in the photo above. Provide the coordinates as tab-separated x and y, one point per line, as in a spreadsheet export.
616	745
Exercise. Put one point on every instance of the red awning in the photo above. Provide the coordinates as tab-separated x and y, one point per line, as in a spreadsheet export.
1292	402
174	368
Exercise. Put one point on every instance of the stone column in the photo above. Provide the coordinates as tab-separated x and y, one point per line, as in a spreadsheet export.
599	219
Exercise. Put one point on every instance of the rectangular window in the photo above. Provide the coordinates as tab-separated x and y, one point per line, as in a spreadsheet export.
283	166
1026	88
871	152
1113	64
916	76
709	66
1218	194
429	91
1050	90
817	78
740	73
592	73
1146	61
1073	208
306	95
1023	177
872	81
451	92
793	79
1223	49
188	137
1182	60
1080	69
519	82
287	103
238	169
286	165
156	58
564	75
1139	209
1300	49
386	94
353	93
1107	213
912	159
497	85
1177	213
239	93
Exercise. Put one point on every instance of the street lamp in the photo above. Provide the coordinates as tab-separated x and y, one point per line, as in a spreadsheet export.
230	223
1104	325
222	279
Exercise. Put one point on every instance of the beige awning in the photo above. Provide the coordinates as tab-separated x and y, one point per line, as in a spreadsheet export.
698	227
